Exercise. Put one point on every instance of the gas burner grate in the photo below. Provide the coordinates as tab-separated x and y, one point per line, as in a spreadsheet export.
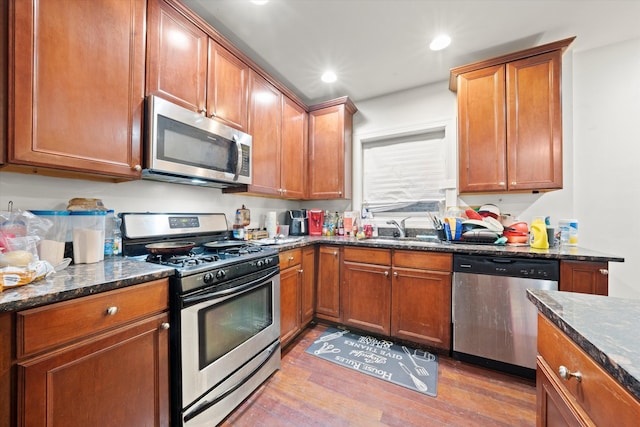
187	260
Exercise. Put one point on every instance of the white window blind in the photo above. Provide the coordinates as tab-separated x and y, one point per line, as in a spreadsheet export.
404	171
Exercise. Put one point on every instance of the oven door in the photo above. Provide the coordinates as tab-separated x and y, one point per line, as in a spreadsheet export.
222	331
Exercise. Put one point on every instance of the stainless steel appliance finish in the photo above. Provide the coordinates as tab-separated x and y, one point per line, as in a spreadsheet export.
224	311
494	323
185	147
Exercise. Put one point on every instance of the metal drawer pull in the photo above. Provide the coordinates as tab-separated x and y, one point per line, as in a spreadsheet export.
566	374
386	274
112	311
604	271
164	325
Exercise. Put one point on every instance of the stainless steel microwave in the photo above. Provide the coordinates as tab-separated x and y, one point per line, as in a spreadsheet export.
185	147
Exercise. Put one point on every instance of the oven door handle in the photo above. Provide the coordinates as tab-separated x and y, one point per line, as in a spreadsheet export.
208	296
209	403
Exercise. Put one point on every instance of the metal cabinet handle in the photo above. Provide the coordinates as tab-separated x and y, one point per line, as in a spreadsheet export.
301	271
112	311
291	258
137	168
604	271
164	325
386	274
203	111
566	374
395	274
335	254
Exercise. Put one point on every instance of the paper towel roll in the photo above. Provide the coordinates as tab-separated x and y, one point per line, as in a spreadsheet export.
271	224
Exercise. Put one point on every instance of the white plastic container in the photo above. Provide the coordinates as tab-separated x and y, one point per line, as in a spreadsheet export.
88	236
51	247
568	232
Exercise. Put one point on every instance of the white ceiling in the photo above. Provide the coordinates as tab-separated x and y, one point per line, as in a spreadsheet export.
378	47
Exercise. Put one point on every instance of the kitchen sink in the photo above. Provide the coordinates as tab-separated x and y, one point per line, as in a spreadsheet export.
279	241
403	240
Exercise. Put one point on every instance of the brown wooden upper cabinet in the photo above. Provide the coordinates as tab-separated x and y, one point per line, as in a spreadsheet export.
278	127
330	133
77	87
510	121
187	67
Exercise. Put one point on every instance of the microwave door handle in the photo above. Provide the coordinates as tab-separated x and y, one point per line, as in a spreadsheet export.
238	159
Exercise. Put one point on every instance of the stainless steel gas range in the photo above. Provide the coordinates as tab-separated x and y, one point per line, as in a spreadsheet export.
224	310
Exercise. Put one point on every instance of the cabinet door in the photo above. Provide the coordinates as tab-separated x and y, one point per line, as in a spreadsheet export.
294	150
227	87
584	277
265	114
176	57
329	142
76	94
328	283
534	123
118	378
555	407
482	157
308	285
421	306
366	297
289	303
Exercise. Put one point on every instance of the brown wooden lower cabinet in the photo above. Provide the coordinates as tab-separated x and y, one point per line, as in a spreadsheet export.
365	290
297	268
584	277
117	373
398	293
328	283
597	400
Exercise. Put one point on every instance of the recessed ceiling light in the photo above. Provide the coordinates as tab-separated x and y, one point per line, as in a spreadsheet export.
329	77
259	2
440	42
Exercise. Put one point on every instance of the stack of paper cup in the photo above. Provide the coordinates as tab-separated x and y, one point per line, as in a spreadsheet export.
272	224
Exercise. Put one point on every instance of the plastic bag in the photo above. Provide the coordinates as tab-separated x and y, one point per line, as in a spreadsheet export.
20	232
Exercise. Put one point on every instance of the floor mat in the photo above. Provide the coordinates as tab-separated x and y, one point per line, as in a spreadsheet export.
411	368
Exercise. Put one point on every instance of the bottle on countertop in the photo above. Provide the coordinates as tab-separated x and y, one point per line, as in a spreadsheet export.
538	238
112	234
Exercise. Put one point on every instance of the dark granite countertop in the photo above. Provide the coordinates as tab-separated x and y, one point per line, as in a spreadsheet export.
606	328
80	280
86	279
575	253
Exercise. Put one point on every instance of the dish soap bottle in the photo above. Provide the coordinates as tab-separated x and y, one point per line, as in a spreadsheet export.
539	234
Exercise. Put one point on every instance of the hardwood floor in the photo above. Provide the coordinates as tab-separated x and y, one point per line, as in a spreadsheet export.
309	391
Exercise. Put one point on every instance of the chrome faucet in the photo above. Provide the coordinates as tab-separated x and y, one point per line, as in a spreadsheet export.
402	229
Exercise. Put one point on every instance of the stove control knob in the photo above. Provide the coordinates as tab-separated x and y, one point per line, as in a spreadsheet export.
208	278
260	263
220	274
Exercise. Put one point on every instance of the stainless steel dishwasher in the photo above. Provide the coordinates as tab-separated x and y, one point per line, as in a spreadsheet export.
494	324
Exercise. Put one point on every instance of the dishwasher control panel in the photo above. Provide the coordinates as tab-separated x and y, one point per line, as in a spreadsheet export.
507	266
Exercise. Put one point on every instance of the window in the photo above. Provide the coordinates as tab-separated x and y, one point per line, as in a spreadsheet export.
408	173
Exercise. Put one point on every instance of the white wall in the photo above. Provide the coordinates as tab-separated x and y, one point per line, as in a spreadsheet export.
33	192
601	124
607	152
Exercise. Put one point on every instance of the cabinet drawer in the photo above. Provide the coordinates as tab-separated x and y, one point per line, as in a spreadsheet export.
368	255
61	323
601	397
423	260
290	258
